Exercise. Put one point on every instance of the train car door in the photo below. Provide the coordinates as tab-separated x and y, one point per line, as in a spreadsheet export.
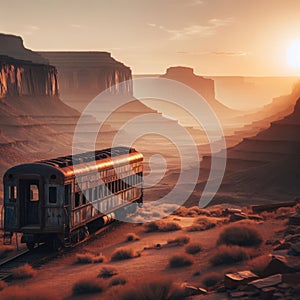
30	200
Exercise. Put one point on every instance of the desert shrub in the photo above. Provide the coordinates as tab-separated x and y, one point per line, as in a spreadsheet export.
226	255
132	237
4	250
216	211
181	211
258	264
180	240
87	286
202	223
22	272
107	272
180	261
211	279
161	226
193	248
118	281
159	289
3	285
196	211
89	258
244	235
124	253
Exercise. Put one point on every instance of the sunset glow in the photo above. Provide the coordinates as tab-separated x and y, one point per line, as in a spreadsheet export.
293	54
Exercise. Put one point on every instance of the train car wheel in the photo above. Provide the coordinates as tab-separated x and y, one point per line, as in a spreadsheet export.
30	245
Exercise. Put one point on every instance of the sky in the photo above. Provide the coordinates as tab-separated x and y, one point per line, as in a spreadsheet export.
215	37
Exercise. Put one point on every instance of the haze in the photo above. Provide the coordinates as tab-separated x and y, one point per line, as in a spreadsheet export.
216	37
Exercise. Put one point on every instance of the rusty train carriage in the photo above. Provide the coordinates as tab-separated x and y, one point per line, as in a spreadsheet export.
46	202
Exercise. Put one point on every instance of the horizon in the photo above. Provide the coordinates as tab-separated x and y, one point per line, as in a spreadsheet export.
212	37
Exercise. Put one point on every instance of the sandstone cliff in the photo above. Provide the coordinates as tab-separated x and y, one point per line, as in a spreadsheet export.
83	75
24	78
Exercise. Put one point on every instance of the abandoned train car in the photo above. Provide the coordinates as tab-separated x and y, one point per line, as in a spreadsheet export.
59	201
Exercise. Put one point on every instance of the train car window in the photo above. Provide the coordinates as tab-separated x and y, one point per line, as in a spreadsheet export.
12	193
84	200
95	193
52	194
34	192
68	189
77	199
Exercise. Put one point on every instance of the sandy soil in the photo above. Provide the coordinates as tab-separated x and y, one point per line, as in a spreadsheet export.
59	275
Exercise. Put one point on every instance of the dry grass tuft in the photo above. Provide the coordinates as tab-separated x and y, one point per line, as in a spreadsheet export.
87	286
193	248
202	223
161	226
130	237
258	264
211	279
180	240
227	255
244	235
107	272
89	258
159	289
180	261
4	250
118	281
124	253
23	272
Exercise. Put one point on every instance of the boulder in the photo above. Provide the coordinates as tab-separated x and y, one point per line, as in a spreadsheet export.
266	282
233	280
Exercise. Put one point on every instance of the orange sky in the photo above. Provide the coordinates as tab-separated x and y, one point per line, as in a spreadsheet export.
215	37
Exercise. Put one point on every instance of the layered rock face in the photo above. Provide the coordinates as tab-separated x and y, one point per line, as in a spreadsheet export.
24	78
265	166
202	85
83	75
12	46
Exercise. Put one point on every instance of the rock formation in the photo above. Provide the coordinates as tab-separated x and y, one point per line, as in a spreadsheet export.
203	86
265	166
24	78
83	75
13	46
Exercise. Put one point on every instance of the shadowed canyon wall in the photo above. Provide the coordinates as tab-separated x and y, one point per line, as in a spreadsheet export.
24	78
83	75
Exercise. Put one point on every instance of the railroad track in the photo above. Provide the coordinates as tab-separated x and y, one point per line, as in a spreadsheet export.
23	257
42	254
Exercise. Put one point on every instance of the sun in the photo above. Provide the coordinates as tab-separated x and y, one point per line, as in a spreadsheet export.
293	54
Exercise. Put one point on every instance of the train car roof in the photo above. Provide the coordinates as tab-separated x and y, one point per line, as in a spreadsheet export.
83	162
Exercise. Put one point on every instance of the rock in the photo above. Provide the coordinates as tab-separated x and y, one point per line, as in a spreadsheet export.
278	264
85	74
24	78
237	217
283	246
291	278
295	249
233	280
293	238
267	282
255	217
267	293
294	219
190	290
12	46
237	294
